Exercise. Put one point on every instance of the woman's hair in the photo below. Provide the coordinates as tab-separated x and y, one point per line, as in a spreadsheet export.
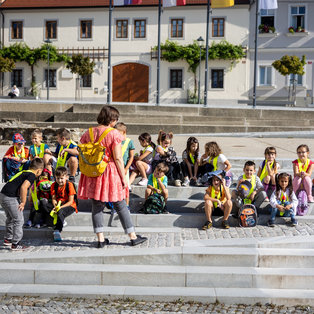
107	114
37	132
192	140
303	146
162	167
162	136
147	138
269	150
278	188
212	149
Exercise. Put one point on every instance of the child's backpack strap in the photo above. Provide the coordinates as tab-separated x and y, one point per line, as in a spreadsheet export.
67	190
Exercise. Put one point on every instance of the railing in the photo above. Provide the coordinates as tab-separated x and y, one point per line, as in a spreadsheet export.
93	53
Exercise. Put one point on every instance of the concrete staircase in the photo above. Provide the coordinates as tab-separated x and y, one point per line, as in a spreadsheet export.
246	271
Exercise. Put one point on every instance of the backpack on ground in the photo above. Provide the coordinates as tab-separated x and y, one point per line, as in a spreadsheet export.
303	206
155	204
247	216
93	157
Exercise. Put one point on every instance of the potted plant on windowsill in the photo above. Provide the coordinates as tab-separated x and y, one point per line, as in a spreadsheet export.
300	29
265	29
291	30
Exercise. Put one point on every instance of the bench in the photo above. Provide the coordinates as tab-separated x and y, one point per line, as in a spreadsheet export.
282	103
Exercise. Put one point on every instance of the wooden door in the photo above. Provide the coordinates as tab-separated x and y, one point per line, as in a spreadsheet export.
130	82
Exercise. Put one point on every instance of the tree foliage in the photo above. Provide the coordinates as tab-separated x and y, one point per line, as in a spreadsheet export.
6	64
290	65
81	65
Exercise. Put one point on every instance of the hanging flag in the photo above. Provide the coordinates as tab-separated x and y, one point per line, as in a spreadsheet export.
215	4
268	4
173	3
126	2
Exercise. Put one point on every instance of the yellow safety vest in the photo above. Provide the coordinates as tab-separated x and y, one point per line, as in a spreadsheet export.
125	146
62	160
22	155
41	152
264	172
305	167
192	159
34	196
155	182
54	214
215	162
253	183
216	195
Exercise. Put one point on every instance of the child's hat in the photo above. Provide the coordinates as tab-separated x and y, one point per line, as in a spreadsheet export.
18	138
244	189
220	174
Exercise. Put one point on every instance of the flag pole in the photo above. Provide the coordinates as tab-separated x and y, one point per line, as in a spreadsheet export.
109	54
255	55
158	56
206	62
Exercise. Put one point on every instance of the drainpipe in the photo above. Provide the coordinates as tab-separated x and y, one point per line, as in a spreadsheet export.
2	44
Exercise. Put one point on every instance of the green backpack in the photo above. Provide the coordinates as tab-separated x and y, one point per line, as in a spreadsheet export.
155	204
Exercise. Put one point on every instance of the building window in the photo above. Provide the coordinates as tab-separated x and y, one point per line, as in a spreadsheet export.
218	27
217	78
268	17
298	78
86	29
17	30
122	29
17	78
52	78
51	29
298	17
86	81
139	29
177	28
265	76
175	78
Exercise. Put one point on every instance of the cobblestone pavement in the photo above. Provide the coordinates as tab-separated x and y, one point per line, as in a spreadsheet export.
82	306
169	239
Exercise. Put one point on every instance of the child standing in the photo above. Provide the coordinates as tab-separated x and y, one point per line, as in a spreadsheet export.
302	169
143	161
62	191
283	200
39	149
66	153
158	182
127	152
268	169
190	161
217	198
16	157
257	195
13	198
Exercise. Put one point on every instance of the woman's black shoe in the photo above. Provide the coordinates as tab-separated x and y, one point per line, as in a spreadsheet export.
138	240
100	245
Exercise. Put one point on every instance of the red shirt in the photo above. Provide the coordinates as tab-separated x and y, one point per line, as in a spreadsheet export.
61	193
296	163
10	152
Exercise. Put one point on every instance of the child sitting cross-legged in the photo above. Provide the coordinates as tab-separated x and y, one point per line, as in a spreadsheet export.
217	199
63	200
283	200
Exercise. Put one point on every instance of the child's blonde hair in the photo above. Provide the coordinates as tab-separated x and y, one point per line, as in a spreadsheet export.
37	132
120	126
162	136
212	149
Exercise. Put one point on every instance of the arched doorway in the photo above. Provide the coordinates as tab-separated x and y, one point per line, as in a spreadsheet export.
130	82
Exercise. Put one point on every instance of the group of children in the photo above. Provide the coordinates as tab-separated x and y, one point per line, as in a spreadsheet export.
50	177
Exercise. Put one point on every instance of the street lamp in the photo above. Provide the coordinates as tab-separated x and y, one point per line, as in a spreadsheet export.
48	42
200	44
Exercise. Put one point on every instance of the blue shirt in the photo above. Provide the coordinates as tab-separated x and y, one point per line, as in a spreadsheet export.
150	181
72	145
32	150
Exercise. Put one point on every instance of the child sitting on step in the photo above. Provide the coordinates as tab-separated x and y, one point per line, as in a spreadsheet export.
217	200
283	201
302	169
268	169
63	199
256	195
66	153
190	162
214	160
16	158
166	154
142	164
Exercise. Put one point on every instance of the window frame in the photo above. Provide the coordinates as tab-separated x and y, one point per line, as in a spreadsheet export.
82	81
223	78
46	29
87	21
20	70
265	76
172	19
127	28
224	26
268	15
20	22
290	15
51	70
145	28
177	70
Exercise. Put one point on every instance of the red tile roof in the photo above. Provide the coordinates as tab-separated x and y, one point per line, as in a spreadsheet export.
26	4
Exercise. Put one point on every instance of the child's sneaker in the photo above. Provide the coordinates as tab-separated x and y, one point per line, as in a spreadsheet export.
18	247
294	222
186	182
271	223
65	223
225	224
177	183
143	182
57	236
7	242
207	225
28	224
37	226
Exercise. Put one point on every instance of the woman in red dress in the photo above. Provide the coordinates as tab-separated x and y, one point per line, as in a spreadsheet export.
111	186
